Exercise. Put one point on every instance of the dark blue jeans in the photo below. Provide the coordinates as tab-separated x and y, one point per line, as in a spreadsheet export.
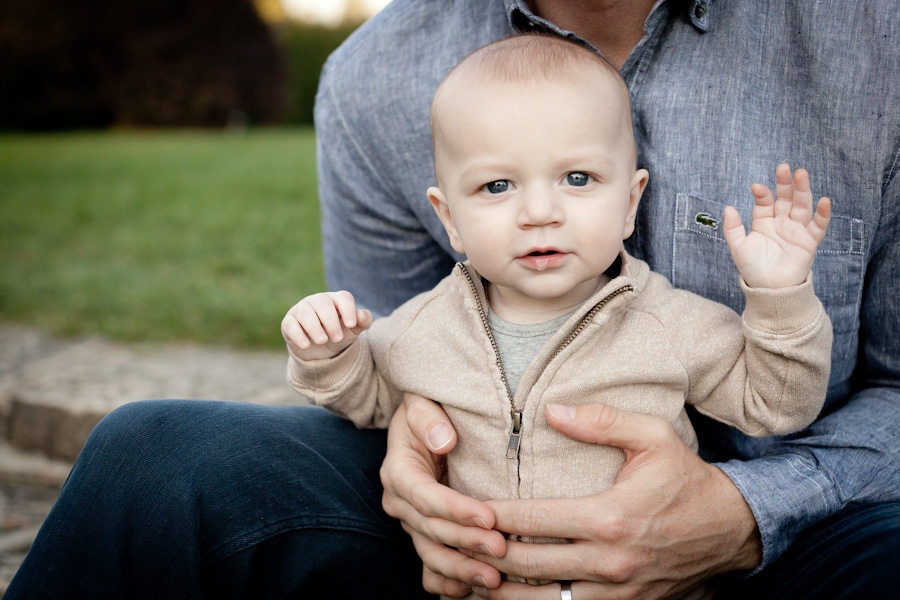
184	499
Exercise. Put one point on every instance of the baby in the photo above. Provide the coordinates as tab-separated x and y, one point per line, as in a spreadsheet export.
538	185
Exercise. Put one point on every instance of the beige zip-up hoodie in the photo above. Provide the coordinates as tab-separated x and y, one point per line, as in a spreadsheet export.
637	344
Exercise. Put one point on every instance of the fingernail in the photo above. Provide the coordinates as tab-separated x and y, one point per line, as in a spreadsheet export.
465	551
485	549
563	412
478	522
479	581
479	591
439	436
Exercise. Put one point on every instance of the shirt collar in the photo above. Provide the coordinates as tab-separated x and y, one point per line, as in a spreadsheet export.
523	20
699	11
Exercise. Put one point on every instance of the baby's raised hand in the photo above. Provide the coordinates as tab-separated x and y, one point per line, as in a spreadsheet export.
322	325
780	248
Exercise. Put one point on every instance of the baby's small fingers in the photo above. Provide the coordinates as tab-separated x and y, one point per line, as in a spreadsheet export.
783	178
784	190
318	316
819	225
802	208
801	181
764	205
732	229
364	320
762	193
293	333
346	308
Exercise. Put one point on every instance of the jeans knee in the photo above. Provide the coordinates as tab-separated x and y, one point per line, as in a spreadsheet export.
196	436
119	424
155	441
131	421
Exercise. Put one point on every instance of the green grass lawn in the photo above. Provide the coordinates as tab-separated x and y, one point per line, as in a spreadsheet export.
149	236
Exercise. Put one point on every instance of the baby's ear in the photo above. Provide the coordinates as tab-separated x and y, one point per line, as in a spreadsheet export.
439	204
638	183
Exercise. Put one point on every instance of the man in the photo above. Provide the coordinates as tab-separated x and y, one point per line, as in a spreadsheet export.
708	82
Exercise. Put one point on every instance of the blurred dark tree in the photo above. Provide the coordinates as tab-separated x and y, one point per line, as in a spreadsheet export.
306	48
96	63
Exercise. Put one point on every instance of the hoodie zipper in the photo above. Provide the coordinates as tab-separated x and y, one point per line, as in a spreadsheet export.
515	434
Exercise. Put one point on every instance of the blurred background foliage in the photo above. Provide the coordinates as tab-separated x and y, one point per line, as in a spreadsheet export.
157	167
306	47
148	63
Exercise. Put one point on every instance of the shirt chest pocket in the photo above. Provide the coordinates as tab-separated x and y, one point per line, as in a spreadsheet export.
701	263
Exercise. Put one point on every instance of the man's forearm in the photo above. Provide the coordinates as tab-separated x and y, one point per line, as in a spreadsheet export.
852	455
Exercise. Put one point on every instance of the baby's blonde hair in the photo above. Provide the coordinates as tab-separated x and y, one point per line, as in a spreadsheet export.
527	59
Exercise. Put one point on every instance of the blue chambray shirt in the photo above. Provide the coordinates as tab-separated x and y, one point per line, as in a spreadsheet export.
722	92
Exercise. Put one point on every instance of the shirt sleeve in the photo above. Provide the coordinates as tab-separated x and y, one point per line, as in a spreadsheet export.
852	454
375	244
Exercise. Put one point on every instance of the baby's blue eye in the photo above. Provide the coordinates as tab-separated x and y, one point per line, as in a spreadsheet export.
496	187
578	179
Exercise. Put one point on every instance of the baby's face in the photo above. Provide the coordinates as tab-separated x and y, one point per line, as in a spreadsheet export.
538	187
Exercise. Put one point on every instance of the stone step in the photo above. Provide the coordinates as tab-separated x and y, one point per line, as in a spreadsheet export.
52	392
29	484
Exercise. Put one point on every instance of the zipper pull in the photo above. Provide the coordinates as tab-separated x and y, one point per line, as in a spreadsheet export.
512	448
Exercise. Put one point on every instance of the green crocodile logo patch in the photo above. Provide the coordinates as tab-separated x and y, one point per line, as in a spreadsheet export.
706	220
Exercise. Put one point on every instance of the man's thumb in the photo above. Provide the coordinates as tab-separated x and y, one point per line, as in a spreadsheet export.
429	423
604	424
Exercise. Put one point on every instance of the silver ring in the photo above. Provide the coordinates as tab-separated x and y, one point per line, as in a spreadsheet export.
565	591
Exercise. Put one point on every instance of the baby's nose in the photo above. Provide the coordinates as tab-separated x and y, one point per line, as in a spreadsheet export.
539	209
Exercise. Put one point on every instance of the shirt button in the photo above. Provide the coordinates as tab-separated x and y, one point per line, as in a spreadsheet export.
700	10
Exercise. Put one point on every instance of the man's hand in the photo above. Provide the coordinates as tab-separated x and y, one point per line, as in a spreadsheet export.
780	248
669	523
437	518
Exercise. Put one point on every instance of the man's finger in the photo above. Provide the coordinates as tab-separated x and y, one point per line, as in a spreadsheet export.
409	477
429	423
604	424
510	590
451	533
551	517
436	583
452	564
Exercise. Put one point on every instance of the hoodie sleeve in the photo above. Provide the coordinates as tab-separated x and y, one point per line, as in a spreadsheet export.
765	373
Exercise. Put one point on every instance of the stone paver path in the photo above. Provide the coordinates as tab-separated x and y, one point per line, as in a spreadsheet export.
53	392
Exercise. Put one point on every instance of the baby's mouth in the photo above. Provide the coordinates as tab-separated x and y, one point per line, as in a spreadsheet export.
542	259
